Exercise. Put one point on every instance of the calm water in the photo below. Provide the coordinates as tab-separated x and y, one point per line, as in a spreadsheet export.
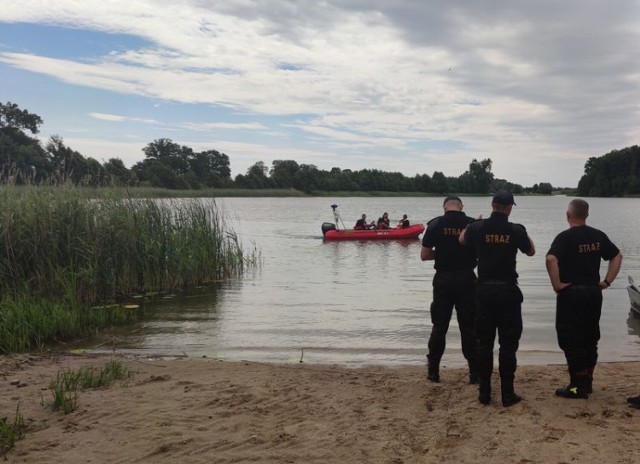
367	302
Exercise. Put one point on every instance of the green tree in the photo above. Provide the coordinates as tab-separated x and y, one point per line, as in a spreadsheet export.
422	183
482	176
157	174
13	118
545	188
210	168
612	174
22	158
174	156
282	173
256	176
439	183
69	164
116	172
307	178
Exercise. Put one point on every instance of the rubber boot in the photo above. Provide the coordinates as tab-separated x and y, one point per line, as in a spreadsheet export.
509	396
484	390
590	380
474	378
578	386
433	371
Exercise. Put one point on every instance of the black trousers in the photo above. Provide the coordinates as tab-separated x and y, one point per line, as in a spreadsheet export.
578	310
498	308
453	289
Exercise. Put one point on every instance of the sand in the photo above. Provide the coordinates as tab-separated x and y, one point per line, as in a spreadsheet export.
205	411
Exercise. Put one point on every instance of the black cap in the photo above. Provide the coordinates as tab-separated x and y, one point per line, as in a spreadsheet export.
503	197
451	198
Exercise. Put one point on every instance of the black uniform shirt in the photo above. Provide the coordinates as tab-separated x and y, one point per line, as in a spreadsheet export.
579	250
442	235
497	241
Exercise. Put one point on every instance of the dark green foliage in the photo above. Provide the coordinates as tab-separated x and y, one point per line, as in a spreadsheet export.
173	166
13	118
615	174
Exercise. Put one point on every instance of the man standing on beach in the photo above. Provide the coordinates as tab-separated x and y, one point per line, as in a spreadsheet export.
453	285
496	242
573	264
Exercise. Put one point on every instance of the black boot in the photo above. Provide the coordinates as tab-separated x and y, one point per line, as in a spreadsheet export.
509	396
484	390
474	378
590	380
578	387
433	371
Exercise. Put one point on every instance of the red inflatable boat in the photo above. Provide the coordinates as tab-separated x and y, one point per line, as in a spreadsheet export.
331	233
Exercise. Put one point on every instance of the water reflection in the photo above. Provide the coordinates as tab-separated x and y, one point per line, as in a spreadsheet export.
633	322
173	323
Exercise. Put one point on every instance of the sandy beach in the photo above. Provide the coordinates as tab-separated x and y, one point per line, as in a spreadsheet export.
183	410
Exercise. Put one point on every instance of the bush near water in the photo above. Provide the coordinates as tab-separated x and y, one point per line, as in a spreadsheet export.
63	252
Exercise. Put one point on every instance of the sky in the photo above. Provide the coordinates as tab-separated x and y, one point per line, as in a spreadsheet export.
400	86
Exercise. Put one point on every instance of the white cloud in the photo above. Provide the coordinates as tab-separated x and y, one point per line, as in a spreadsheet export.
375	78
207	126
104	149
118	118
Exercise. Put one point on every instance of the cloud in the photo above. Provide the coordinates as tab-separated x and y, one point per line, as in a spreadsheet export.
207	126
375	77
104	149
118	118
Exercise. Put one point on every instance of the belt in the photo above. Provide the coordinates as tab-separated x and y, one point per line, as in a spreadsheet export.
455	271
493	282
582	287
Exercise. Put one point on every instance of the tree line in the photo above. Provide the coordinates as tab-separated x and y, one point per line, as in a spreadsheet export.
23	159
615	174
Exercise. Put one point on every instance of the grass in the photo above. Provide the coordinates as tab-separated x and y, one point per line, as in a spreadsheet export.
65	386
11	431
64	250
30	323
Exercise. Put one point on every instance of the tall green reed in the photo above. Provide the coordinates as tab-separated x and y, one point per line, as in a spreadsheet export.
58	243
61	250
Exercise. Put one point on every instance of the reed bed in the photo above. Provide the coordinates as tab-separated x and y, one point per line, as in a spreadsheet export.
60	248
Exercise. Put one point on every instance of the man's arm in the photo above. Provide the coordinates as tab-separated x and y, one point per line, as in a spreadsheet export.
426	253
462	236
612	271
532	250
554	273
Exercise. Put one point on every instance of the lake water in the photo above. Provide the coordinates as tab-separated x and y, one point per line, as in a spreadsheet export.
356	303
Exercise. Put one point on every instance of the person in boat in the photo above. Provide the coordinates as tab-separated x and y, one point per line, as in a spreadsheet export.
383	222
362	224
404	222
498	298
573	264
453	286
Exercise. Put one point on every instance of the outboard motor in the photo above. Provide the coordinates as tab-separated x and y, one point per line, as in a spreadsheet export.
327	226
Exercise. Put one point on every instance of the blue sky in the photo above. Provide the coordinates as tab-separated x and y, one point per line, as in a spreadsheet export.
407	86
